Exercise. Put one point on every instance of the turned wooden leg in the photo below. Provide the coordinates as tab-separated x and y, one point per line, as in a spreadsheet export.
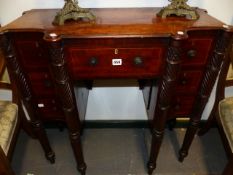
217	59
75	139
208	124
164	99
38	130
35	129
26	125
65	91
18	77
219	95
74	128
43	139
189	136
157	138
171	124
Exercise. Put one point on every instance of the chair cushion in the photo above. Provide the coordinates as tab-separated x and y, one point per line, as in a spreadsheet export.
226	117
8	119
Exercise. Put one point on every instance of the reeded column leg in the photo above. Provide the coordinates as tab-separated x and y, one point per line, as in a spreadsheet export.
26	125
157	137
40	133
215	62
165	94
17	75
189	136
210	121
219	95
65	92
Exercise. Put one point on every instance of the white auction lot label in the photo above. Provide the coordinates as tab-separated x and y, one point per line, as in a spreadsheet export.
116	62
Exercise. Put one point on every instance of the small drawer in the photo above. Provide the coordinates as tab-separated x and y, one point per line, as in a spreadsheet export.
49	109
42	84
114	62
182	105
31	54
197	50
189	81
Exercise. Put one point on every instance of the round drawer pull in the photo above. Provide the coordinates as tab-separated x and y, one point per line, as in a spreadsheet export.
184	79
138	61
192	53
93	61
47	83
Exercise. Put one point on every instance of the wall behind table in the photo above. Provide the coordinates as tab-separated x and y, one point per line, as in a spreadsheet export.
125	103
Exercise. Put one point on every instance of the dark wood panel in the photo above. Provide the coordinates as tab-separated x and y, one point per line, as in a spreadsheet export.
99	63
182	106
42	84
198	47
189	81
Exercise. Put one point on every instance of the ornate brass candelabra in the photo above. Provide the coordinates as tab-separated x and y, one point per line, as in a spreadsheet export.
71	10
179	8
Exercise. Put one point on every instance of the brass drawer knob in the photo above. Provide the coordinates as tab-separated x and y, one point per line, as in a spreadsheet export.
93	61
47	83
191	53
138	61
184	79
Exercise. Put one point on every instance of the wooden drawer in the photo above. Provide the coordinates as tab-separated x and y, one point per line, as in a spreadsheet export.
197	52
42	84
49	109
31	50
31	55
114	63
182	106
198	47
189	81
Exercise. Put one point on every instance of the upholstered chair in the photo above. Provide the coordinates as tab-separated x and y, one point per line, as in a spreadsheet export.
226	123
222	114
10	121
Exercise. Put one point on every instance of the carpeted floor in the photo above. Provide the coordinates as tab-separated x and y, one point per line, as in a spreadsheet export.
120	152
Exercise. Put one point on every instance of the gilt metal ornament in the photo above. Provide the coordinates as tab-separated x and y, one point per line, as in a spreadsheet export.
179	8
71	10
